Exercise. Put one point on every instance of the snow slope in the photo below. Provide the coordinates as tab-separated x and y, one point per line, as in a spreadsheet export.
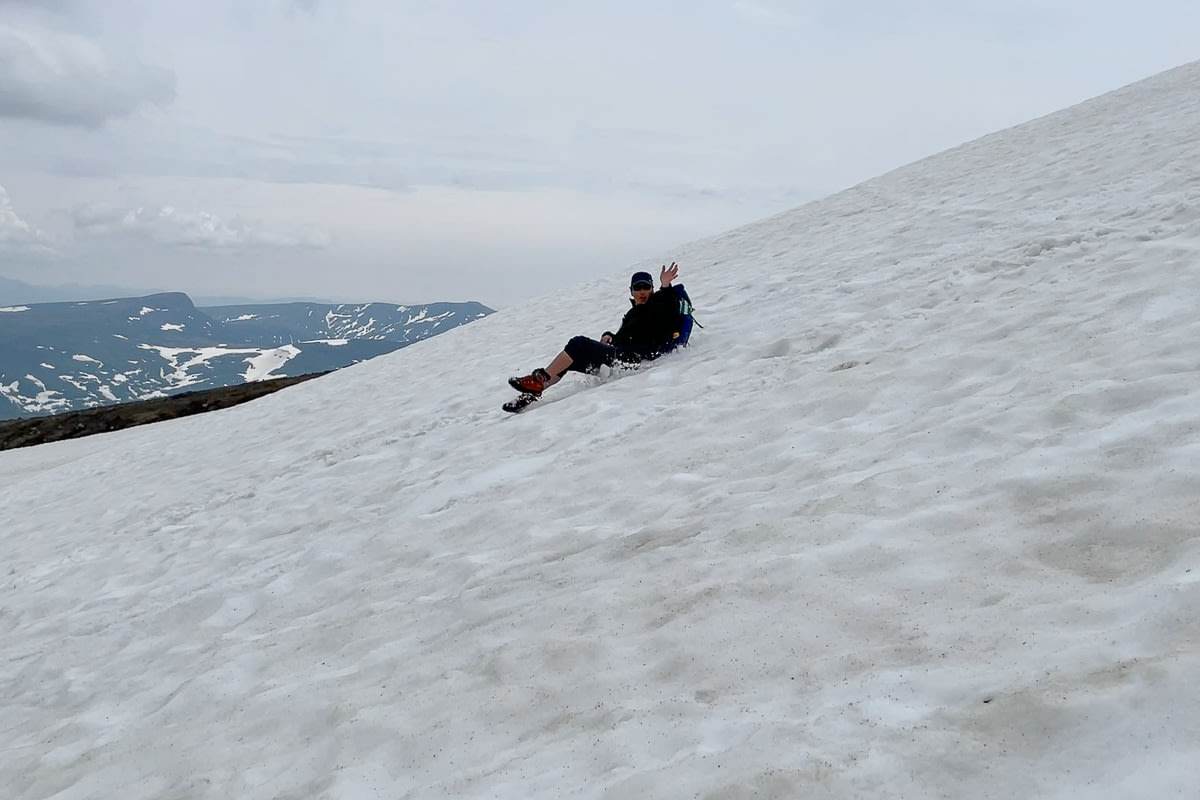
915	516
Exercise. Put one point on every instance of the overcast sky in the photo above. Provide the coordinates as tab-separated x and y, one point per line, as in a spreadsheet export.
479	150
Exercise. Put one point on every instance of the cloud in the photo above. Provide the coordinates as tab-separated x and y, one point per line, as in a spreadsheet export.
760	12
39	5
18	235
167	225
66	79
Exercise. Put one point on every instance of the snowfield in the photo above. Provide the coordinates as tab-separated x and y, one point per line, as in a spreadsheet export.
915	516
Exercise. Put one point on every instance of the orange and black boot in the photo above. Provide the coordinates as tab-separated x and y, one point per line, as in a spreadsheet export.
535	383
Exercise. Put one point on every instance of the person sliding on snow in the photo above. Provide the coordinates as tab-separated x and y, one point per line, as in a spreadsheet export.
647	331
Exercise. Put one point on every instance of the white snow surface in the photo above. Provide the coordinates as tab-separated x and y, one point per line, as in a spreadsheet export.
915	516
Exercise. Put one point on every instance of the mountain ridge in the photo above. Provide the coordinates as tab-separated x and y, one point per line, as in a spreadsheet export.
16	292
70	355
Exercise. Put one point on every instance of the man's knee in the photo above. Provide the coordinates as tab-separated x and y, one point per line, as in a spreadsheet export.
578	348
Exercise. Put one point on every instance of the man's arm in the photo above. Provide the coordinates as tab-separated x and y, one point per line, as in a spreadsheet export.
611	338
668	274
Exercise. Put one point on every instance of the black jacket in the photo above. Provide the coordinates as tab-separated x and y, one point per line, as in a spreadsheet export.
648	329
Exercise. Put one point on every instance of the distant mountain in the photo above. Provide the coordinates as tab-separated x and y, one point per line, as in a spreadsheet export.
292	322
13	292
210	301
57	357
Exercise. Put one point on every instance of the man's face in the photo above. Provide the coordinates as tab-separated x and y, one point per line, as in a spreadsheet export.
641	293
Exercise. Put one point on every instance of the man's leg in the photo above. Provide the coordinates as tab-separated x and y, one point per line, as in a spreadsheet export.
584	355
558	367
580	355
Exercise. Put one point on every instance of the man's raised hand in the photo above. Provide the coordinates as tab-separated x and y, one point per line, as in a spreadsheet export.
668	274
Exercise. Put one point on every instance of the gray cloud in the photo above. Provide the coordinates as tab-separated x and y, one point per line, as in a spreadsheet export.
39	5
760	12
66	79
18	235
495	136
167	225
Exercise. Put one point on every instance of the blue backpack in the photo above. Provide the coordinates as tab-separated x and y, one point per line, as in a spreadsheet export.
683	330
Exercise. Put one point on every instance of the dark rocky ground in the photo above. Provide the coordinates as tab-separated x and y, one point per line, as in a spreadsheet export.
39	430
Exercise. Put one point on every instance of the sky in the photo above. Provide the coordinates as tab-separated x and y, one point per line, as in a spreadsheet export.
399	151
912	516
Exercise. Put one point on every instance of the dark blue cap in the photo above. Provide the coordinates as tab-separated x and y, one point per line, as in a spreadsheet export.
641	280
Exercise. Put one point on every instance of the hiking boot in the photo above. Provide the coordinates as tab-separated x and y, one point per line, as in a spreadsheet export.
535	383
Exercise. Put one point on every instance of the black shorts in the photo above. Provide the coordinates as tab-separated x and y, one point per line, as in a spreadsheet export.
588	355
